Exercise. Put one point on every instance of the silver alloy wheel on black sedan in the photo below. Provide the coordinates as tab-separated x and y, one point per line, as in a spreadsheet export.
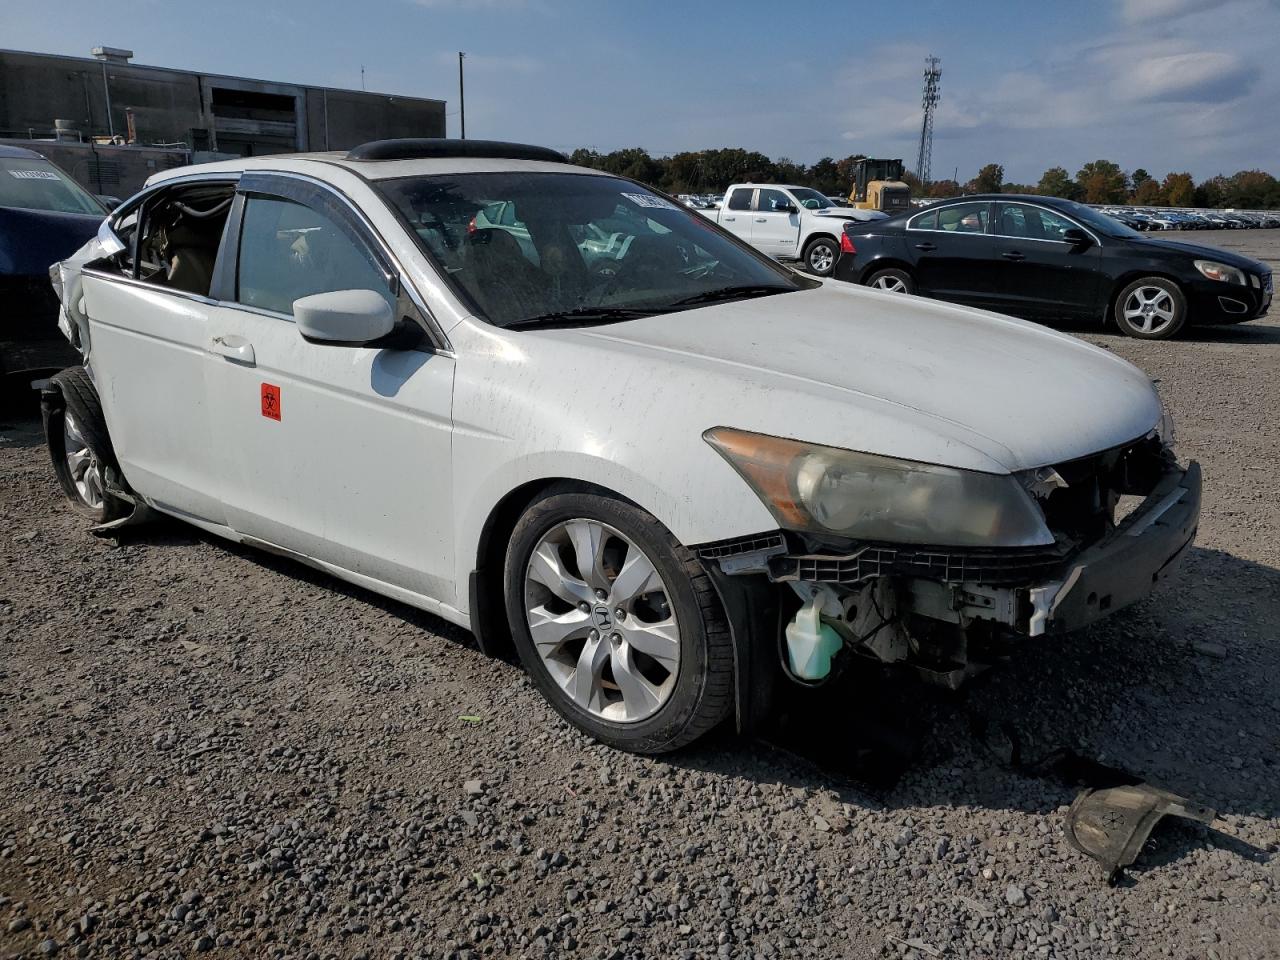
82	464
1150	309
890	282
602	621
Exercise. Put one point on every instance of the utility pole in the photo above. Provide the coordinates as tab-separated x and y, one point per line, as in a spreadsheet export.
362	76
462	96
929	101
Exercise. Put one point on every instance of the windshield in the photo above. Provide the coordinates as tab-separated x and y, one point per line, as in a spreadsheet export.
524	247
1105	225
36	184
810	198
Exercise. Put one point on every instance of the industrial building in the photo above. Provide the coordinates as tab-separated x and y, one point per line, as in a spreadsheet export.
110	123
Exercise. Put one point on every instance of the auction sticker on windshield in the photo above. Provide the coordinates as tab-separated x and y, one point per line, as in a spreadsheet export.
647	200
33	174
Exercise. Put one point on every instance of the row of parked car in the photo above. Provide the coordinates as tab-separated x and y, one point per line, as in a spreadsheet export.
1145	218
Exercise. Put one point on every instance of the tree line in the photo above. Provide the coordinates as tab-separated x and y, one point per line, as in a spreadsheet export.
1099	181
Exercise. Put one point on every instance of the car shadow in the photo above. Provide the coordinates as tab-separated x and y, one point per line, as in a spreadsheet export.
1245	334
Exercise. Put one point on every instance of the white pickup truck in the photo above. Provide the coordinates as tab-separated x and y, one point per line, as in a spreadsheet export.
788	223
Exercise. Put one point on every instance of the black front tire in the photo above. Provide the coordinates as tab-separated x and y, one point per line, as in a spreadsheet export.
76	402
703	692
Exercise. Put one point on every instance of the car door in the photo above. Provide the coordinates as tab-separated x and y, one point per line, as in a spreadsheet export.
1039	275
340	453
775	223
951	253
147	340
735	216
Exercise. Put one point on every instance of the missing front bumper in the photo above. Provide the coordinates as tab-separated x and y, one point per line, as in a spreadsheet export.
1126	565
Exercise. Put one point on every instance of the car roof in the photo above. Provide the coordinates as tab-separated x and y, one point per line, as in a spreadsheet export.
19	153
320	164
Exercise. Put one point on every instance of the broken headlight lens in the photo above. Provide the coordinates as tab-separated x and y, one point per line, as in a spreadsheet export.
862	496
1220	271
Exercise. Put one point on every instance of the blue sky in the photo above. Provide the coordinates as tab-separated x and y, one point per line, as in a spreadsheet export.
1162	84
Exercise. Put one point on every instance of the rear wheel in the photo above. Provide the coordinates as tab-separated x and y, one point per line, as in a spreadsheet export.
820	256
80	448
893	280
617	623
1151	308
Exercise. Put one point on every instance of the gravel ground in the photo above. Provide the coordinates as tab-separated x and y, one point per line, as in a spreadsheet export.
207	749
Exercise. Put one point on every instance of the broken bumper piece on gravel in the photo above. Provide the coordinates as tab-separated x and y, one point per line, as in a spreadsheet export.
1113	824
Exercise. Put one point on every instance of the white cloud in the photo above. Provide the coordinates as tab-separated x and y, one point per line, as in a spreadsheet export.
1202	76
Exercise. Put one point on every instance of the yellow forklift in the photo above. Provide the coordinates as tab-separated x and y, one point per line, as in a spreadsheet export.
877	185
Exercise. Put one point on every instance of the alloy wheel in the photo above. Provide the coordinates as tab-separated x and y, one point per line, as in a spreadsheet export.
86	471
1149	309
821	258
891	283
601	621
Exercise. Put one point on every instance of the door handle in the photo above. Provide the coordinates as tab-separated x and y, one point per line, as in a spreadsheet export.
730	219
1014	255
233	348
926	246
762	219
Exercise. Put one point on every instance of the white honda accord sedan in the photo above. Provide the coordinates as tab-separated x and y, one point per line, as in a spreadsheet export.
563	411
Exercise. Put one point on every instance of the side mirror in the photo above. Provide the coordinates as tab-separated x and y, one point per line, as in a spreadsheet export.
109	202
785	208
346	317
1076	237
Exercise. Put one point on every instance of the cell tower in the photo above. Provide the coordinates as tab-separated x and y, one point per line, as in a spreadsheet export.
932	85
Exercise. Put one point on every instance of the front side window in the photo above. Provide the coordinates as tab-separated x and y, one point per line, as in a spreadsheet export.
36	184
289	251
1033	223
574	247
772	201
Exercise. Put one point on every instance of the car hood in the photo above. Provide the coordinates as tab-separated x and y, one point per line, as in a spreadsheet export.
1229	257
885	373
33	240
850	213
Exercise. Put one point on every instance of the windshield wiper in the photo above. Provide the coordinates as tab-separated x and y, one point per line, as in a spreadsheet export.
741	291
583	316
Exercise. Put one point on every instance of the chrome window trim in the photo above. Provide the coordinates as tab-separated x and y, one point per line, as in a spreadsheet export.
145	285
946	206
1056	213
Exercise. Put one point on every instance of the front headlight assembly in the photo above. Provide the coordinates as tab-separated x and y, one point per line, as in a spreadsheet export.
1220	271
816	489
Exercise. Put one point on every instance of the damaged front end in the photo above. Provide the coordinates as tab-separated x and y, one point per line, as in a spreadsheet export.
1106	528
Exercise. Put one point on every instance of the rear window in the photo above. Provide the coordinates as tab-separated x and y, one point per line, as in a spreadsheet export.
36	184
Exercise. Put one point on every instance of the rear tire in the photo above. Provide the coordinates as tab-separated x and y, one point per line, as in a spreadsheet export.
820	256
649	681
893	280
76	433
1150	308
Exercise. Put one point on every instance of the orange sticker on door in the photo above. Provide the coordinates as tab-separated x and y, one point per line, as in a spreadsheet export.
271	401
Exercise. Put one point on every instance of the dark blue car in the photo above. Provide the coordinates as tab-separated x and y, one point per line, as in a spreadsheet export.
45	216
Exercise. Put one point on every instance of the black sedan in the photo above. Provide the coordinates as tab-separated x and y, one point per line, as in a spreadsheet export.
45	216
1043	258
